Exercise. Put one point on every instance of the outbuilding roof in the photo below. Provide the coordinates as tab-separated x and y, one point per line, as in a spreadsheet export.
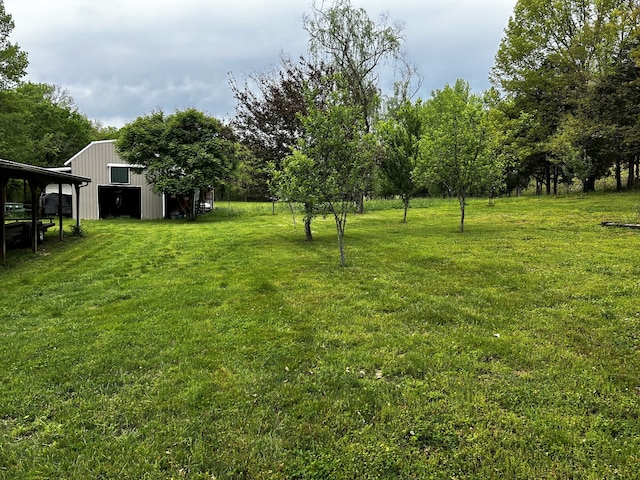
34	175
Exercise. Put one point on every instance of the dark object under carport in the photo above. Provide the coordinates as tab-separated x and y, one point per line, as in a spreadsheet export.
35	177
50	200
18	232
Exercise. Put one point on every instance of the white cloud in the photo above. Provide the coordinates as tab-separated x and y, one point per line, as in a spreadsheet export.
123	58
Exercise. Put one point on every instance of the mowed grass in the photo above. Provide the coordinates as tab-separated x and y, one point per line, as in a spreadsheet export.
232	348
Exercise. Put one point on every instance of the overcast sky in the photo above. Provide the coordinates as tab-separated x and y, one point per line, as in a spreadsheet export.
120	59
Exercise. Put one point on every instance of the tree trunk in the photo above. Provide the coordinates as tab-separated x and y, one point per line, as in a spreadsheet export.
632	171
618	175
360	203
462	201
340	229
308	216
405	201
192	205
548	179
307	229
343	260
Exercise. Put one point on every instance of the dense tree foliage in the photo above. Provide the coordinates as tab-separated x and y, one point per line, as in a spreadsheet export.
103	132
180	154
455	151
40	125
611	113
267	120
13	61
558	62
329	164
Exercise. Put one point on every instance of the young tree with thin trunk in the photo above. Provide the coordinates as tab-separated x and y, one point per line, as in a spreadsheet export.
346	38
400	135
328	166
268	119
455	149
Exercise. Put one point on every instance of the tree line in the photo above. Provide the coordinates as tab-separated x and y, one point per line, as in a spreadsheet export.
569	74
39	122
563	109
318	132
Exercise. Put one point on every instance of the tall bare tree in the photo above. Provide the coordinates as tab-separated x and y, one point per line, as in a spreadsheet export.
345	36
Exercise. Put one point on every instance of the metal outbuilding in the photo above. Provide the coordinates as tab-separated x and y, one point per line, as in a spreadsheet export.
118	189
35	177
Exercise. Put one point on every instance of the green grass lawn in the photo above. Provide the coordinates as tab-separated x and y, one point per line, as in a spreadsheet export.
232	348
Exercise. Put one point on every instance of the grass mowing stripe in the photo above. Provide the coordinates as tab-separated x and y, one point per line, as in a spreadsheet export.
232	348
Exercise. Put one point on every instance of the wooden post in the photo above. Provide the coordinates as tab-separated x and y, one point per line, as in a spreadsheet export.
3	200
60	210
34	216
77	187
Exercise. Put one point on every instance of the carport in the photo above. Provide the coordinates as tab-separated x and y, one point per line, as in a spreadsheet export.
35	177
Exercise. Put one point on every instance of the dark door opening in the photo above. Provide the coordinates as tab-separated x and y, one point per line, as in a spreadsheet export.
117	202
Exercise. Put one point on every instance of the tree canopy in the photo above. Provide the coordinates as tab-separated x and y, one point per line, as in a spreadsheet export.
401	134
180	154
552	63
13	61
41	125
346	37
327	168
455	151
268	115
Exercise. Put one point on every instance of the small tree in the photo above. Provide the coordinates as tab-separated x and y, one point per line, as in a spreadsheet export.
346	38
181	154
400	136
328	166
269	109
455	149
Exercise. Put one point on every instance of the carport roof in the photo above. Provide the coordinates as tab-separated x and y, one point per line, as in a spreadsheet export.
9	169
34	175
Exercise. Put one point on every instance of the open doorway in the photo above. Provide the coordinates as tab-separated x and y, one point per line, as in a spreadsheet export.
117	202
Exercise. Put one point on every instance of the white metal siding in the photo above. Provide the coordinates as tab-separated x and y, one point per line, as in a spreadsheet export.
92	162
